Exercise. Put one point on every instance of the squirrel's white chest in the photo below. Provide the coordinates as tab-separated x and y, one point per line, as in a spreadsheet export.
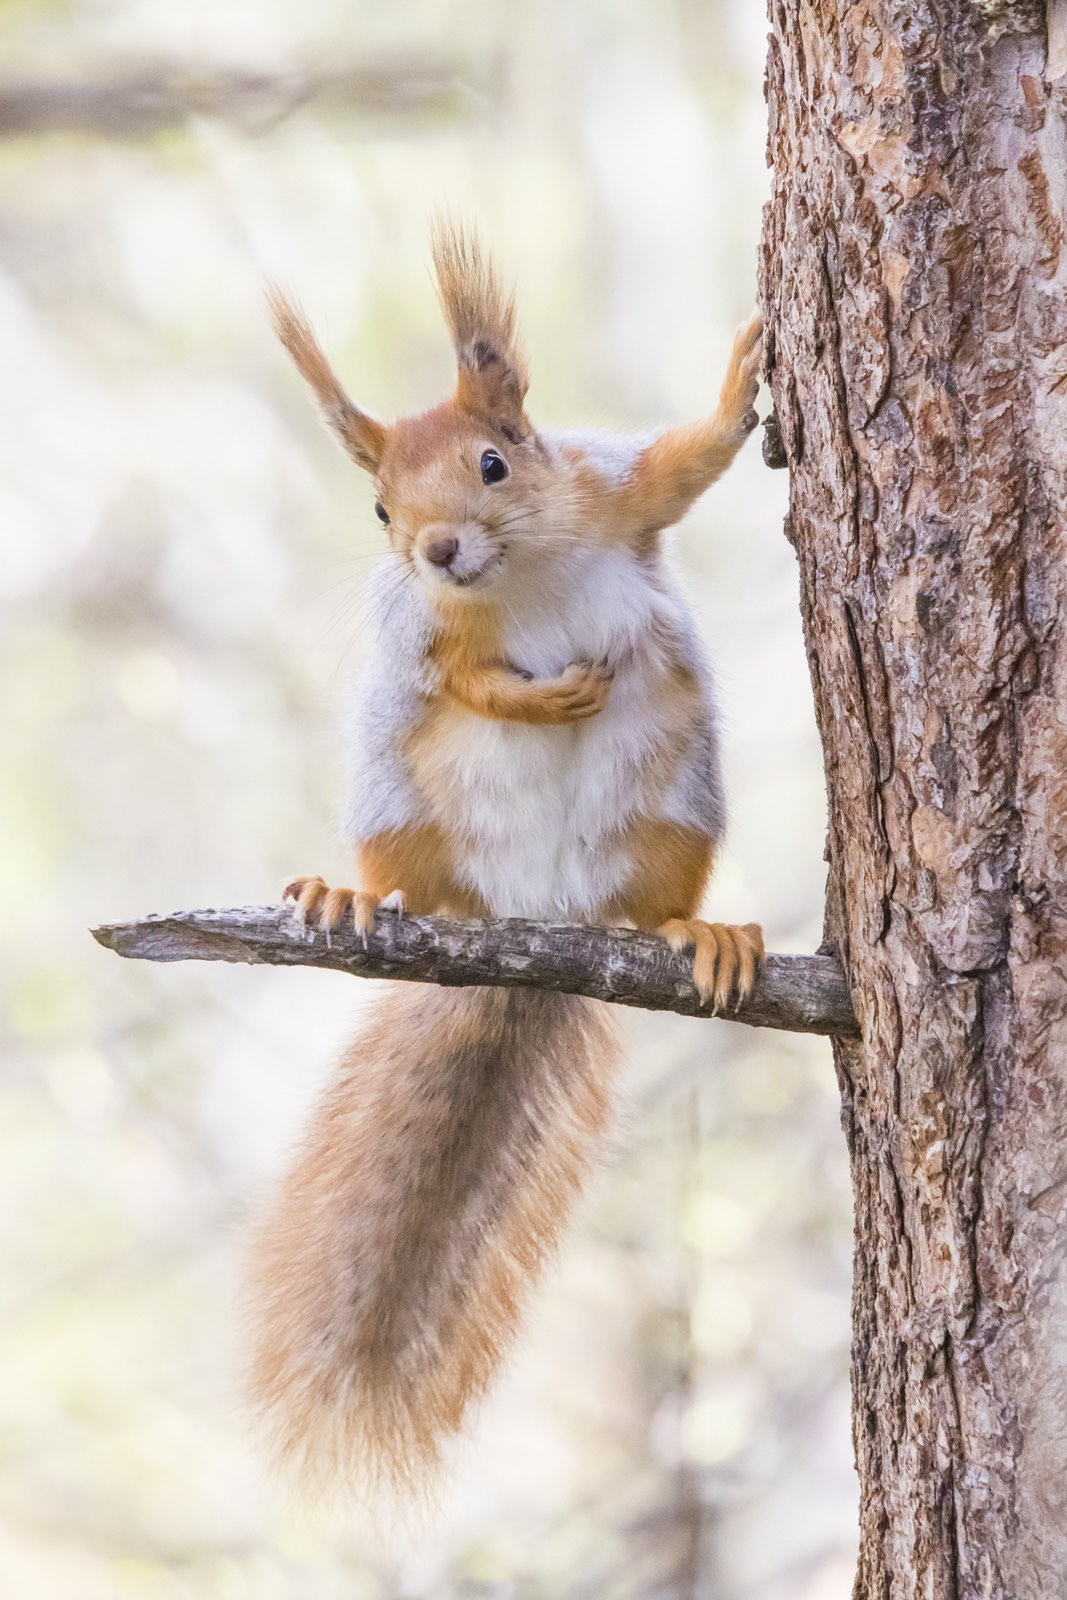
538	815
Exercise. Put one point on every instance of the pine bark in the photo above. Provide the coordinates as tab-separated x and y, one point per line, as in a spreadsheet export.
913	275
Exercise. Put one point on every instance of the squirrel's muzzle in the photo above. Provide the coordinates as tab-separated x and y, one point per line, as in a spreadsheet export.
441	551
458	555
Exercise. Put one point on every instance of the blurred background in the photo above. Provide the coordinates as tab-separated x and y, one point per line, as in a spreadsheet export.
182	587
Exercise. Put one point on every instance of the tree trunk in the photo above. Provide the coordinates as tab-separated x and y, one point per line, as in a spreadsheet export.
914	278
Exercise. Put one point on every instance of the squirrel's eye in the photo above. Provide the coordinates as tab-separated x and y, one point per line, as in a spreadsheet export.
494	467
381	513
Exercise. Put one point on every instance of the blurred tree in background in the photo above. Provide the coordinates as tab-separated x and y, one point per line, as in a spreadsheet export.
181	609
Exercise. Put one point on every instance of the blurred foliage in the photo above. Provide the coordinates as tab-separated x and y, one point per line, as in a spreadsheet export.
180	610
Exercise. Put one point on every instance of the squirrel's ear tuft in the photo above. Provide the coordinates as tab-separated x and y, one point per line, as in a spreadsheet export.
362	437
480	314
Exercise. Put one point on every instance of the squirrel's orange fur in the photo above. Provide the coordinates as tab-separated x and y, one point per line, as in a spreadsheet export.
434	1181
547	748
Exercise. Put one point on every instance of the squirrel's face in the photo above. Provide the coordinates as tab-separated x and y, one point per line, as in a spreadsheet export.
459	499
465	491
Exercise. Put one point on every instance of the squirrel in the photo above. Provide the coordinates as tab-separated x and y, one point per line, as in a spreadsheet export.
536	737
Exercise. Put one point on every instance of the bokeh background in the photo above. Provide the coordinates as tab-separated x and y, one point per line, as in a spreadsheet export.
183	555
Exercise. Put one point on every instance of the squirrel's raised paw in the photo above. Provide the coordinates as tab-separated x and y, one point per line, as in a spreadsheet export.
726	958
741	385
328	909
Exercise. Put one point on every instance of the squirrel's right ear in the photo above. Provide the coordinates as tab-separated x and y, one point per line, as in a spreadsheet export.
492	380
362	437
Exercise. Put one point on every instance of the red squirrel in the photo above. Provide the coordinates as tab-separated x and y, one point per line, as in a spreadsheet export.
537	737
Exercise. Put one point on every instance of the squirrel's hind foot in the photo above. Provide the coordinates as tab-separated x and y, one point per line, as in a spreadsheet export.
328	909
726	958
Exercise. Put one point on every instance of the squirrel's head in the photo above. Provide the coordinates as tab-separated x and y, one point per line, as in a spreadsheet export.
461	489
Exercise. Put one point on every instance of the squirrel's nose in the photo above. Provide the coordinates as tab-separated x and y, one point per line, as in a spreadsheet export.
442	551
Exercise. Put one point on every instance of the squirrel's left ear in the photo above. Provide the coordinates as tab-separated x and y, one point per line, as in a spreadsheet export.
362	437
492	379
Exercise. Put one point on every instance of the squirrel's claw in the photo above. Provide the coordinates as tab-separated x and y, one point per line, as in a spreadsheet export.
309	894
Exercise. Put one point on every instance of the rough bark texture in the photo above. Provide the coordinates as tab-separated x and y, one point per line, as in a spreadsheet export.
914	281
806	994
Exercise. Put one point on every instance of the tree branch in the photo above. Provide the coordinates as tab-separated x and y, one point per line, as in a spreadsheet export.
806	994
134	104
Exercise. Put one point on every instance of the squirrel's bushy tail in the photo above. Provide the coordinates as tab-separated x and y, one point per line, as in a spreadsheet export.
440	1168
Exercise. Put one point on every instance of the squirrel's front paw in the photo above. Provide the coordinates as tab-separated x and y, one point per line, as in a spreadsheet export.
580	691
726	958
327	908
742	377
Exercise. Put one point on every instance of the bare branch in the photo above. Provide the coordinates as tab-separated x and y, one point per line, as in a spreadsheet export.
806	994
131	105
